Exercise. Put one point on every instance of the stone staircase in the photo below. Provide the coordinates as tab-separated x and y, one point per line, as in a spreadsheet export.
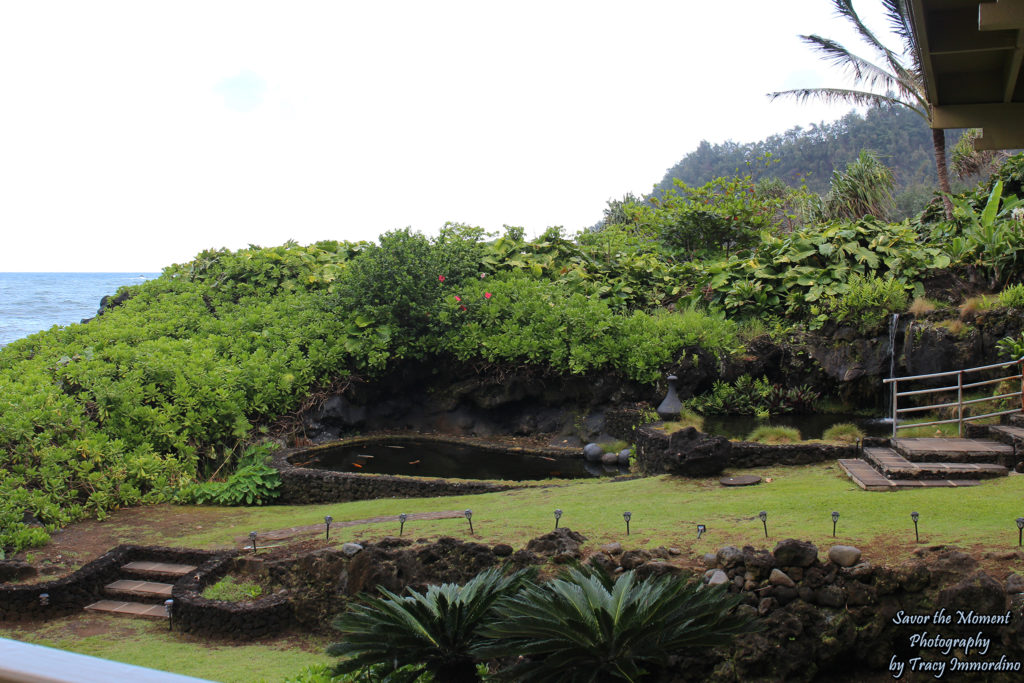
936	462
141	590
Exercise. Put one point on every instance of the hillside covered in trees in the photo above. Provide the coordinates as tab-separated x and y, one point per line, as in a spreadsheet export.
900	138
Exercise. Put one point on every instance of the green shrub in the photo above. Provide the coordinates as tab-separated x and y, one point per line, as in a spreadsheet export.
254	482
1012	297
233	590
399	284
843	432
774	435
749	396
867	303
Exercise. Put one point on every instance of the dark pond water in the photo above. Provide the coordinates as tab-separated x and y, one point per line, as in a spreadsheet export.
448	459
810	426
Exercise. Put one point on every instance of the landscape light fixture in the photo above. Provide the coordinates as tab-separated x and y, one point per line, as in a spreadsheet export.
626	516
763	514
558	516
401	522
469	518
835	518
252	537
167	610
914	516
44	599
327	522
701	530
1020	530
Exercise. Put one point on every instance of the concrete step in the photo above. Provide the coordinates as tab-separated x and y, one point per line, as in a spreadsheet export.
128	609
892	465
954	450
870	479
145	569
130	589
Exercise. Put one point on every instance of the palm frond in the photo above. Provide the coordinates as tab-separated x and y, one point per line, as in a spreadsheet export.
898	16
844	8
864	73
842	95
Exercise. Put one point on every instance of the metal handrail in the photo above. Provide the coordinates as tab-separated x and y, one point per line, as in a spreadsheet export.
960	418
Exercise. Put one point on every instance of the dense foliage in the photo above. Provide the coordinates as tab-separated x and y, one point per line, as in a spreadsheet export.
170	386
810	155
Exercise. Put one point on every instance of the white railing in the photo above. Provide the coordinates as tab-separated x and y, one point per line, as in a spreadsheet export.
959	388
28	663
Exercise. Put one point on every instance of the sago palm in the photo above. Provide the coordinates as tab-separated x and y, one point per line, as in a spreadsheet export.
584	627
890	82
434	631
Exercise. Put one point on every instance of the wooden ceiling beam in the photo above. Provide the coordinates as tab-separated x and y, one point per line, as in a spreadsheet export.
1003	15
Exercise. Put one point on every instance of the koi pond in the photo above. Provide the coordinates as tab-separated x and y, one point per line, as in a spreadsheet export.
448	459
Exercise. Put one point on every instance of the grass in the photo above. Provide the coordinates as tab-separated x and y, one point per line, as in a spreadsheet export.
233	590
150	644
774	435
665	512
843	432
687	418
921	306
614	446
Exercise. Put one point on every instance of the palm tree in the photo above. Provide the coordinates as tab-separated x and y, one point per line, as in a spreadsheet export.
585	627
892	83
436	631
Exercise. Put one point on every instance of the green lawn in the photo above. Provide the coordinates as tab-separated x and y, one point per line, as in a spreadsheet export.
666	510
150	644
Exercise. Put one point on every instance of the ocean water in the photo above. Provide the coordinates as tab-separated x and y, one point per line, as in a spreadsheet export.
30	302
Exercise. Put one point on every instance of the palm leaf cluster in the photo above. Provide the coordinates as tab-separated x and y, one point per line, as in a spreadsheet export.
895	79
434	631
582	626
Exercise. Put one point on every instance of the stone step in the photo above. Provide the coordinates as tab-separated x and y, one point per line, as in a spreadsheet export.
1008	434
128	609
156	570
870	479
953	450
1015	419
151	591
892	465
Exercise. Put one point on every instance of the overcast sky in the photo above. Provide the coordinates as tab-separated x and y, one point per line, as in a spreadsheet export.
135	134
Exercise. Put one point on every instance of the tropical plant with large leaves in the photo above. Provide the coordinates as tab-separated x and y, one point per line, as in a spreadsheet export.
897	80
437	631
583	626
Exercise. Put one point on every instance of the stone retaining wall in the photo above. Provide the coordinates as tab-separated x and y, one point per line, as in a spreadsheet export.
689	452
192	613
71	593
302	485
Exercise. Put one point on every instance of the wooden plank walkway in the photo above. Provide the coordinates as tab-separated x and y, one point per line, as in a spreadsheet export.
931	463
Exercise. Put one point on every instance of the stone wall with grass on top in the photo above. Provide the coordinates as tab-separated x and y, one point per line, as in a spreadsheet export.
194	614
73	592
